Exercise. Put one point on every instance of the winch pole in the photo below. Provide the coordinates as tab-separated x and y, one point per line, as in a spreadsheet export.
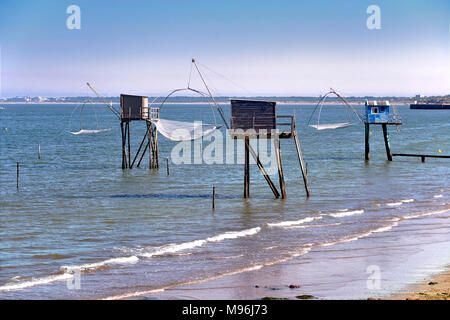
104	101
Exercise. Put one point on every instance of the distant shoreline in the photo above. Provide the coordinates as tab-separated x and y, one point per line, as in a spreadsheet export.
300	103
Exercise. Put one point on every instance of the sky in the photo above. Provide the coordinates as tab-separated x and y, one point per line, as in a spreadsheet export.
271	48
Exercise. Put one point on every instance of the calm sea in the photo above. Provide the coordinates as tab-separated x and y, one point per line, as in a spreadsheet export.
78	214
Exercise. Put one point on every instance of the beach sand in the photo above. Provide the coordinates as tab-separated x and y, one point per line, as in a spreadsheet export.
433	288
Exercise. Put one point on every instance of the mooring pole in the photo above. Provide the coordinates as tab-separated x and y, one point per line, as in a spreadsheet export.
39	151
17	176
167	165
367	147
386	142
247	169
214	197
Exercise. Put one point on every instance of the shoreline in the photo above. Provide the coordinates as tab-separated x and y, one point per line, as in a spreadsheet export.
298	103
436	287
408	270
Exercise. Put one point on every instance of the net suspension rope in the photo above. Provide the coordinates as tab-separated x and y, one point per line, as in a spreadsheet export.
184	131
319	106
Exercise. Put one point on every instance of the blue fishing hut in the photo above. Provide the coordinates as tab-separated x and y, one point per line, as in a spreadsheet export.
379	113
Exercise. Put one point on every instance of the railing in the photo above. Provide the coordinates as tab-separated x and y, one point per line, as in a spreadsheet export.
154	113
290	124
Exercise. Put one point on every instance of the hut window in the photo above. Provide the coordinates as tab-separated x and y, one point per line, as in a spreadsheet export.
375	110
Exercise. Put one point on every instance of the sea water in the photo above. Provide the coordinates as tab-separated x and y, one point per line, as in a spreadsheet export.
79	226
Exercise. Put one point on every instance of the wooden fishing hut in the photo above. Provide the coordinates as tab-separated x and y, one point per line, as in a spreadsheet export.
380	113
254	119
136	108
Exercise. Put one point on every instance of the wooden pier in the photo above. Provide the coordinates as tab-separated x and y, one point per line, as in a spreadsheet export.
422	156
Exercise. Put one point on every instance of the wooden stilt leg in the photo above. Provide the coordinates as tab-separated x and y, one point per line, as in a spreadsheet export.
386	142
367	147
280	167
263	171
129	146
139	149
150	151
143	154
302	165
247	170
123	145
156	149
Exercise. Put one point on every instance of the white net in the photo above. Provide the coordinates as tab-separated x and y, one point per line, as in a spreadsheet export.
89	131
183	131
331	125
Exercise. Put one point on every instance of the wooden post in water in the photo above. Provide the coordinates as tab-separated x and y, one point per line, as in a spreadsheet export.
156	149
214	198
247	168
150	147
367	147
129	146
167	165
17	176
386	142
124	155
300	159
39	151
280	167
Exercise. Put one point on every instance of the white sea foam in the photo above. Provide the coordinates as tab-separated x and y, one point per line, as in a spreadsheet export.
345	213
426	214
234	234
306	249
394	204
438	196
293	223
172	248
407	200
314	226
35	282
226	274
96	265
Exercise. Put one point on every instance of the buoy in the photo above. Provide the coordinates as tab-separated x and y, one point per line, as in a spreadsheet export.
370	132
6	129
439	150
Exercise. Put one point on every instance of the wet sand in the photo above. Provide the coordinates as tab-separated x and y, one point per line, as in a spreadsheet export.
432	288
385	265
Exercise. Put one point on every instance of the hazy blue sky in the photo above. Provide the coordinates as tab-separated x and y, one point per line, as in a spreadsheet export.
267	47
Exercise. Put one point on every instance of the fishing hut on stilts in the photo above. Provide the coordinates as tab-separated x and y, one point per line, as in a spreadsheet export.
250	119
136	108
379	113
253	119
